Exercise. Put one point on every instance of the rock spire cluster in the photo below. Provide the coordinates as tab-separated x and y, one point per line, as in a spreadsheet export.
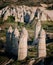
15	45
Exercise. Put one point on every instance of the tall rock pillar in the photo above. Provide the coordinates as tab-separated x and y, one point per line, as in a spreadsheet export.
42	44
15	38
22	49
8	39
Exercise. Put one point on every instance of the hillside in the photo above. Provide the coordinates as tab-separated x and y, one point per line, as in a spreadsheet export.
10	16
4	3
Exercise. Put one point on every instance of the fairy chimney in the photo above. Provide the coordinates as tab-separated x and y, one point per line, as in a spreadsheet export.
37	32
42	44
22	49
15	38
8	39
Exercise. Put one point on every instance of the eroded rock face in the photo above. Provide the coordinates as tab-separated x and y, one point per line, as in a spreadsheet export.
19	12
6	15
37	32
24	13
42	44
8	39
16	32
12	38
15	38
10	30
12	45
22	49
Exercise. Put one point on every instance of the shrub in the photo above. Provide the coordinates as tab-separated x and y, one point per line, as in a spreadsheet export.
10	19
20	24
1	21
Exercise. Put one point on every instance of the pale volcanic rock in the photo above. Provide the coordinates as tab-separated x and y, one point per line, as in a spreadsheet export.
32	14
16	32
10	29
22	49
37	32
8	39
15	39
42	44
7	14
21	10
0	12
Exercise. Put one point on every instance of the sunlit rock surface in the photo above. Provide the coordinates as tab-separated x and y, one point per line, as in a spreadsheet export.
5	17
37	32
24	13
42	44
22	49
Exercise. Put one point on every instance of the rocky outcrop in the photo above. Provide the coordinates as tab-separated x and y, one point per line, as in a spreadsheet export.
15	39
42	44
12	38
19	12
8	39
37	32
22	48
23	13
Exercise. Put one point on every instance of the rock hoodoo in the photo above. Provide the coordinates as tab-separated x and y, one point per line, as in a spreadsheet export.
42	44
15	38
8	39
22	49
